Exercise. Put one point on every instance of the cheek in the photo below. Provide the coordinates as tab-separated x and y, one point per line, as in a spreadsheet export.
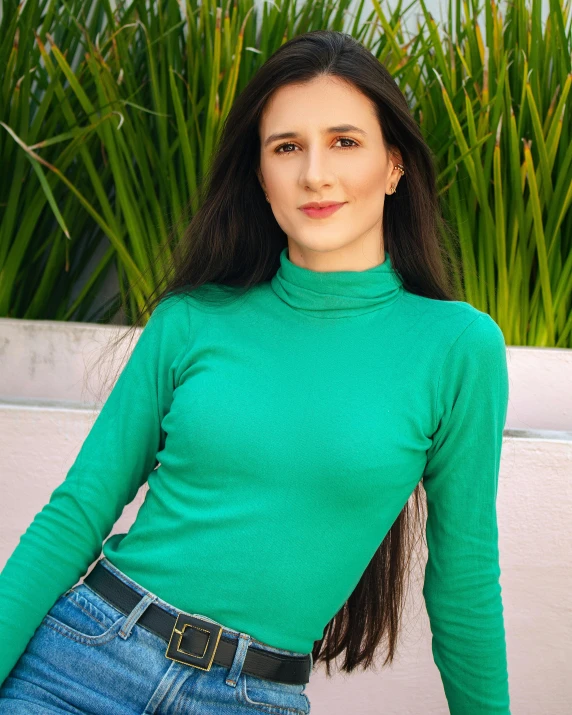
278	175
367	181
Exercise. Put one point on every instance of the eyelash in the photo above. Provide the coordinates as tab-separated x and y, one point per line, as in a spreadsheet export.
277	150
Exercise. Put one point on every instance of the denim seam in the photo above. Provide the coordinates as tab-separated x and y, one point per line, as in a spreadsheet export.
266	707
64	631
91	615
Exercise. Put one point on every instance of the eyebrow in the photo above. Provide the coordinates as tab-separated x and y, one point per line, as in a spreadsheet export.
330	130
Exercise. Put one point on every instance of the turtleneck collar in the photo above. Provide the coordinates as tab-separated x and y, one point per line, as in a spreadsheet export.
336	294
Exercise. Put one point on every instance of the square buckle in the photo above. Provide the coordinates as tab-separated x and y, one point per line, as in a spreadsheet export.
174	651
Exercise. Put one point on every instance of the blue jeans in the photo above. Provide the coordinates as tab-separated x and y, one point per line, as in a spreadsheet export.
88	657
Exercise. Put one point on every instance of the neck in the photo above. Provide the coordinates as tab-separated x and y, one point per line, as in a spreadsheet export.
336	294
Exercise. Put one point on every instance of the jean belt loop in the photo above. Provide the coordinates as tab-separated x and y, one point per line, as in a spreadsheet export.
244	641
136	614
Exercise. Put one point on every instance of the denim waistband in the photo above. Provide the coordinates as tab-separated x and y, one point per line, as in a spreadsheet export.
230	632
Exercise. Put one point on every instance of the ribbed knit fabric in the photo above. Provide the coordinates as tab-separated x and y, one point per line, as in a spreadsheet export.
290	427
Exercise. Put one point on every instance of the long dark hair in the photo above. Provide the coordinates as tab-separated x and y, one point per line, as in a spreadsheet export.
223	244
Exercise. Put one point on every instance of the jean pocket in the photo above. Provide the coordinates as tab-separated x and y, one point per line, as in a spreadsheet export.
83	616
272	697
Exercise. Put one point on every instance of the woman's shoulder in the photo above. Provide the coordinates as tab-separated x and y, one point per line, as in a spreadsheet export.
452	320
205	302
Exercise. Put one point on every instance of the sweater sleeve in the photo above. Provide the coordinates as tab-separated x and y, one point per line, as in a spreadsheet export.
116	458
461	589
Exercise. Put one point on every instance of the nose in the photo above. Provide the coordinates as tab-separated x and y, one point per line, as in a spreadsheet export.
316	169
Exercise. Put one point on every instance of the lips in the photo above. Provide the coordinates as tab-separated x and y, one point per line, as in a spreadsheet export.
320	204
316	212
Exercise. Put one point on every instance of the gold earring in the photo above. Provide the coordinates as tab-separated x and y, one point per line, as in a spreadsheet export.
394	186
267	199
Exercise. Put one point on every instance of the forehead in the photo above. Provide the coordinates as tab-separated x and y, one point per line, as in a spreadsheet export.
321	102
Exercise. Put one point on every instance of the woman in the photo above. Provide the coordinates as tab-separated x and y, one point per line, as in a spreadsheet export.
303	373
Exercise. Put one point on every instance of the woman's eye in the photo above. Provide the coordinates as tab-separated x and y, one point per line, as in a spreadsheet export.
347	139
342	139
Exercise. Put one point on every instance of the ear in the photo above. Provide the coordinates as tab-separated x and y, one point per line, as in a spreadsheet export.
394	173
260	179
396	158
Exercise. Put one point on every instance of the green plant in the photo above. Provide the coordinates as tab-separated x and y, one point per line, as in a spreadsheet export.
117	114
108	122
506	146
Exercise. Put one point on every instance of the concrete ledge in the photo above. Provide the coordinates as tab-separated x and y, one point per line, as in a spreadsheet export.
56	360
53	360
537	435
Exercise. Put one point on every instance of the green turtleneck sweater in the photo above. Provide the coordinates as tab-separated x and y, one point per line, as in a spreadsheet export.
290	427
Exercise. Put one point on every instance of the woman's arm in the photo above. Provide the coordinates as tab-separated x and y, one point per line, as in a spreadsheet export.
461	589
115	459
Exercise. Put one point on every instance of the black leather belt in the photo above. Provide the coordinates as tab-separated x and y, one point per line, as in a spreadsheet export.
196	641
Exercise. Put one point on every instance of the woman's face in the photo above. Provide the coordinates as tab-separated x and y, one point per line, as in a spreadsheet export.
316	164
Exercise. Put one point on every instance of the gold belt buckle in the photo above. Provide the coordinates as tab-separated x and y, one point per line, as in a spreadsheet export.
174	651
